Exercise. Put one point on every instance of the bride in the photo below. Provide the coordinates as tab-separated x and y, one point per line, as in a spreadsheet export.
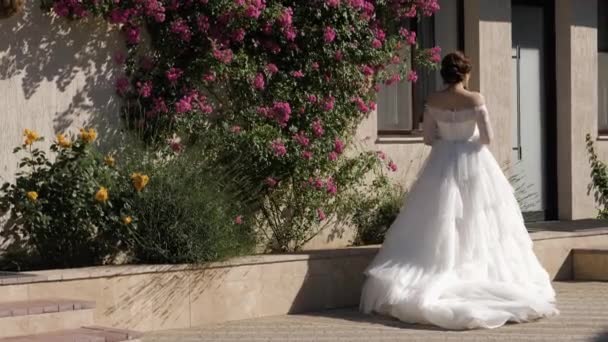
458	256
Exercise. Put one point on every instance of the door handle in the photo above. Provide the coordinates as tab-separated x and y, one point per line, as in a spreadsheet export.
519	152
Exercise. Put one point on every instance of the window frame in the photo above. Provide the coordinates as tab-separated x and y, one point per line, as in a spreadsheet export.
417	101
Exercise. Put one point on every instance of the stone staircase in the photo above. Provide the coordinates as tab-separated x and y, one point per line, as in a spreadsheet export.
590	264
53	320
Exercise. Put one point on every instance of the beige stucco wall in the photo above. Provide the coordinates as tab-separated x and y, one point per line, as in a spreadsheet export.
55	76
488	44
577	105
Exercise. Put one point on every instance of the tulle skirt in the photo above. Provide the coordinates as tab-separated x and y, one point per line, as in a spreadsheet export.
458	255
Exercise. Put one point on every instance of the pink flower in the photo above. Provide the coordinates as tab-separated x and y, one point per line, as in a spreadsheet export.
338	55
307	155
317	183
238	35
410	37
281	112
329	103
312	98
380	34
132	34
173	75
253	8
225	56
392	166
238	219
236	129
290	33
278	148
258	82
202	23
301	139
331	187
333	156
381	155
119	16
184	104
144	89
297	74
338	146
315	66
271	182
317	128
329	34
411	13
159	106
122	85
332	3
175	143
435	54
361	105
181	28
412	76
286	17
321	214
395	59
372	105
376	43
272	69
209	77
61	9
367	70
393	79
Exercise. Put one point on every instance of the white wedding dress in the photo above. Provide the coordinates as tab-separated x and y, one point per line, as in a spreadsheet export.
458	256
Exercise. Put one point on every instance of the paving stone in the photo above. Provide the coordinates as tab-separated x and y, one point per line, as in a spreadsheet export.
583	305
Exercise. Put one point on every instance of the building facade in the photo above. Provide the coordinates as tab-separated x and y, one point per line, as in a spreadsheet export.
541	64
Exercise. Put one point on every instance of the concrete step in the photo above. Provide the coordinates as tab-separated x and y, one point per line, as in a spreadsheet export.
87	334
590	264
43	316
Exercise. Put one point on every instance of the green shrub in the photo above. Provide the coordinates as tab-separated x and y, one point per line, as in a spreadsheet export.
191	212
599	180
68	212
373	214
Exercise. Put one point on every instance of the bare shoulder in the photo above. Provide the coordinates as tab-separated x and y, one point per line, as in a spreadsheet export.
476	98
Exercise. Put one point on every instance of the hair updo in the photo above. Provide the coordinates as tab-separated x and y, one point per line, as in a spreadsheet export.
454	67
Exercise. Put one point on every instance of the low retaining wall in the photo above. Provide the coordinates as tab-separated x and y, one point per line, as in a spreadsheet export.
158	297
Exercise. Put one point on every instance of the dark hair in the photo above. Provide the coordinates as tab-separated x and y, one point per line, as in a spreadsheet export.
454	67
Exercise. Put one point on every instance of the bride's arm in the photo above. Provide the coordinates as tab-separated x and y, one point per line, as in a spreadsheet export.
429	127
485	128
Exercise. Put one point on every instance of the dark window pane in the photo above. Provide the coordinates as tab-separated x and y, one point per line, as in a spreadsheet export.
602	25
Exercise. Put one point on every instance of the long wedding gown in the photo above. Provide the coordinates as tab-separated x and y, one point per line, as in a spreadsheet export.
458	255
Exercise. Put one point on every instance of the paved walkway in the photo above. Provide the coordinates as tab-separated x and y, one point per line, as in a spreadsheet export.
584	317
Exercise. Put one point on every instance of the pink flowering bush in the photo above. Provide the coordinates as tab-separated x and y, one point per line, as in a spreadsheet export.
295	77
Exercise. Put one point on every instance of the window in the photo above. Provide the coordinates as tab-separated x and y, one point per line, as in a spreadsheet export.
602	67
400	106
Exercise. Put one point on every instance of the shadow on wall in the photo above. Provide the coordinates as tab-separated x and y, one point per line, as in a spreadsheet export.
57	73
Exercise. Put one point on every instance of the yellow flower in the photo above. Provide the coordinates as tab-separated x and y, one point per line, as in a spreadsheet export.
32	196
30	136
109	160
127	219
88	135
102	195
63	141
139	181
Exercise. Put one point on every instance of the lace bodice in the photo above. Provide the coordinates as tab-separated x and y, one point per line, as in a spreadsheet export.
469	124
